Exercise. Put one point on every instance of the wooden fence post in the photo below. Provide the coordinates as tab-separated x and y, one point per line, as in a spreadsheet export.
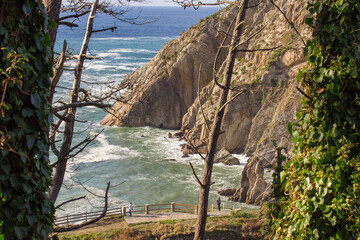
123	210
146	209
172	207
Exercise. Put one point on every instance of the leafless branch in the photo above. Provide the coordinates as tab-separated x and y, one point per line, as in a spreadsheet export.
66	229
289	21
196	5
81	184
232	99
86	57
69	24
105	29
68	201
201	109
196	178
81	104
59	68
259	50
119	184
218	54
303	93
76	15
193	147
86	142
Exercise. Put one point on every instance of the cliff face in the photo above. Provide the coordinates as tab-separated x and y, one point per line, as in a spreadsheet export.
160	93
262	113
164	92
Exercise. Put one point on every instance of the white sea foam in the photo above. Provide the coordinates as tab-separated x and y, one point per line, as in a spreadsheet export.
242	158
131	38
126	68
104	151
131	50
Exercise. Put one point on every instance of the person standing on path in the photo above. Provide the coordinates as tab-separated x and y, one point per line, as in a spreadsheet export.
218	202
130	208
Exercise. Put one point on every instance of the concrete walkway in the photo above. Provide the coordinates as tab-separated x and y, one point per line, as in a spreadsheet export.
155	217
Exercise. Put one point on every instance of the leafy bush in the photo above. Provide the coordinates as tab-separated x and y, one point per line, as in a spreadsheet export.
25	67
322	183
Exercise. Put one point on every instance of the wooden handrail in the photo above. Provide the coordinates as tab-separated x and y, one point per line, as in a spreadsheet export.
185	205
162	204
73	218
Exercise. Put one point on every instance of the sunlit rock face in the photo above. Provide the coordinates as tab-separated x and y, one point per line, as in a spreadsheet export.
164	93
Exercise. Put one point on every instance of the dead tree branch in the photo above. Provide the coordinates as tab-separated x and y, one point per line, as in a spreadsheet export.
232	99
200	105
112	29
292	25
71	228
69	201
195	148
195	177
81	104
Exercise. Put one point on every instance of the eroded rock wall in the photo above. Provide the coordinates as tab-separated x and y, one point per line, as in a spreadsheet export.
160	93
262	113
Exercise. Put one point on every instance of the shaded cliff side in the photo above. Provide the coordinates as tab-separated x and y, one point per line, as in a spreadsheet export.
164	92
160	93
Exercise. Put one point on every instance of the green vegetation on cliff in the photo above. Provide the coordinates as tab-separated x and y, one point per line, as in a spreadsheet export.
25	67
322	184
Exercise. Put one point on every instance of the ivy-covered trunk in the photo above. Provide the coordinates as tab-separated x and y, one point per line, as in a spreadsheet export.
25	211
322	183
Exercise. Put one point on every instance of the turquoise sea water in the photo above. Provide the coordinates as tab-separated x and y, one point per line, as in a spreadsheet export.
145	159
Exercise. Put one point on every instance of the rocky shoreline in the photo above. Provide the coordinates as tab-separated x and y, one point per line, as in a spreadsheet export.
169	90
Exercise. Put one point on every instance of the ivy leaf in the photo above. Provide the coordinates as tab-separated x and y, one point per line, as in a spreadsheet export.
289	127
27	10
39	43
20	232
36	100
328	27
52	24
333	220
31	219
27	112
30	140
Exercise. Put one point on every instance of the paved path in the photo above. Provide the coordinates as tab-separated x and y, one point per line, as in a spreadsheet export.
154	217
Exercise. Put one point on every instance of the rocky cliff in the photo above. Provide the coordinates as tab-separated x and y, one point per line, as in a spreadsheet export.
160	93
164	92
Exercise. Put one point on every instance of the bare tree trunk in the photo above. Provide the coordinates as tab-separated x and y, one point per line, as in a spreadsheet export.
216	127
53	9
69	125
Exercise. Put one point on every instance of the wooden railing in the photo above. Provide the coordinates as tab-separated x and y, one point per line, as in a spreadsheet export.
123	211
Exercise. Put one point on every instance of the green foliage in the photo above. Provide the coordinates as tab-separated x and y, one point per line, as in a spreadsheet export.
322	183
242	214
25	66
256	80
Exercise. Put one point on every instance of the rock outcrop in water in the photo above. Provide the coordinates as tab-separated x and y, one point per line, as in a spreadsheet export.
164	92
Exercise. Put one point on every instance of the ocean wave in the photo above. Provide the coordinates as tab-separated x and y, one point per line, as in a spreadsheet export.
242	158
128	68
104	151
132	38
131	50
